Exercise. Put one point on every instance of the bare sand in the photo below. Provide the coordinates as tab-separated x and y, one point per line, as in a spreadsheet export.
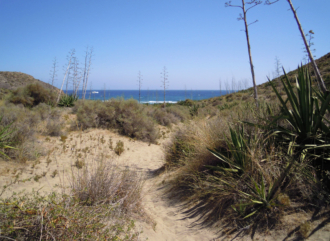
168	221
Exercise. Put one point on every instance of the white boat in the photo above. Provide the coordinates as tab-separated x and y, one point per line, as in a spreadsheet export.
95	92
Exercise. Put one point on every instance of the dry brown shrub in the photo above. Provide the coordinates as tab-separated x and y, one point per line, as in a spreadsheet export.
101	182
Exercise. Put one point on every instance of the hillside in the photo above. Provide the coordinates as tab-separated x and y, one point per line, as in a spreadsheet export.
265	91
12	80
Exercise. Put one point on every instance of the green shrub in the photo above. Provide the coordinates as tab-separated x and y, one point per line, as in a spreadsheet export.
53	127
170	115
187	102
25	123
43	110
125	115
163	117
32	95
5	140
194	110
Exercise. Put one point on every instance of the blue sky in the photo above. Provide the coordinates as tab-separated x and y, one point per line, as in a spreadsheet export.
199	41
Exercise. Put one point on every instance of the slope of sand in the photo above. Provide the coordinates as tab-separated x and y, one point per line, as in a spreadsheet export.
169	223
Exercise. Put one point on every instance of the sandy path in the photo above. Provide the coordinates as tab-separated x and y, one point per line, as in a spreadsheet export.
141	156
169	222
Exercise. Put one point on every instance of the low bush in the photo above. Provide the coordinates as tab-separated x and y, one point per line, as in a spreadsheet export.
43	110
5	140
53	128
125	115
24	123
119	149
163	117
187	102
32	95
170	115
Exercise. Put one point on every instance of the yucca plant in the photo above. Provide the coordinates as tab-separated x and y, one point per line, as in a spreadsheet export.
263	195
237	165
67	100
5	141
308	127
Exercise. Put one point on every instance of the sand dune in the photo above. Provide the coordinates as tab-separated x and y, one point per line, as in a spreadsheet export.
168	221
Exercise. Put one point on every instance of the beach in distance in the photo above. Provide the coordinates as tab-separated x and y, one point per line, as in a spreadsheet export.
151	96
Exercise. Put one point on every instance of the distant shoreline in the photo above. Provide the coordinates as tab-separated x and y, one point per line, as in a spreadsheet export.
152	96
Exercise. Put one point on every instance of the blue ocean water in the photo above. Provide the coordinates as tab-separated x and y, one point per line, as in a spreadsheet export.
151	96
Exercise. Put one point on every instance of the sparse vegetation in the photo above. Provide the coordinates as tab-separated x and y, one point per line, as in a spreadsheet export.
100	205
252	176
234	165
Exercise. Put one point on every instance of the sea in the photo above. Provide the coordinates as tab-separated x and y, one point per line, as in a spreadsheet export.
151	96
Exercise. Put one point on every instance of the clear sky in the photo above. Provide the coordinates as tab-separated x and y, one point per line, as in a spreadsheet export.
199	41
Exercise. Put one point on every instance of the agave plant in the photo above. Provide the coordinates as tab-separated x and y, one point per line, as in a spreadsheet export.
237	157
308	127
67	100
236	165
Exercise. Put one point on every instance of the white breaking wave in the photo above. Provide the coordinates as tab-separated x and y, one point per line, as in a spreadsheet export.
158	102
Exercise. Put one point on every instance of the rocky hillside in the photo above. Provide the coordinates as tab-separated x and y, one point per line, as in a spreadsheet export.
13	80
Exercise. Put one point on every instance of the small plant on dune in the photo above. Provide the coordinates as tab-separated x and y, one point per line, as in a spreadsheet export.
194	110
5	140
63	138
54	173
305	229
119	149
79	164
